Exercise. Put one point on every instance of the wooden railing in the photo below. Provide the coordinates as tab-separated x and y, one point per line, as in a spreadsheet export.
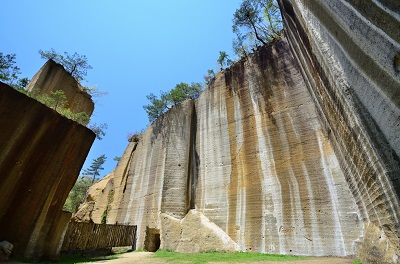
89	236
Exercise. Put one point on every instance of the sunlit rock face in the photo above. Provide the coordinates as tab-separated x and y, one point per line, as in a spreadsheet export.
53	77
347	53
251	156
267	173
293	150
151	177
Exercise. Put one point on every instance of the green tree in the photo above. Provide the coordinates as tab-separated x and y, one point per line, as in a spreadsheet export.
57	101
223	60
159	105
255	22
77	65
8	70
21	84
209	76
94	170
77	194
156	108
98	129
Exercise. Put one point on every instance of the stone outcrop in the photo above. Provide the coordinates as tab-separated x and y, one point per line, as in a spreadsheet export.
52	77
294	150
41	154
194	233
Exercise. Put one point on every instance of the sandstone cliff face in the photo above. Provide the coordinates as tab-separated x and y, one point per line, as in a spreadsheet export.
346	51
41	154
52	77
294	150
251	156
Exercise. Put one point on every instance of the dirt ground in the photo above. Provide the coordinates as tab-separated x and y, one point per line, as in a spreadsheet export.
147	258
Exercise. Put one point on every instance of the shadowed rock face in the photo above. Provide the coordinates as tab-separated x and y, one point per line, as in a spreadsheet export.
41	154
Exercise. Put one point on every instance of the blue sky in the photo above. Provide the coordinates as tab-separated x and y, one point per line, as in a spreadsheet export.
135	47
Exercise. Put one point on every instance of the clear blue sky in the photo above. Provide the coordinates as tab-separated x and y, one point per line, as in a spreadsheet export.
135	47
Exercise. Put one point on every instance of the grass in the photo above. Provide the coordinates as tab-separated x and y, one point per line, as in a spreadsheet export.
75	258
206	257
356	261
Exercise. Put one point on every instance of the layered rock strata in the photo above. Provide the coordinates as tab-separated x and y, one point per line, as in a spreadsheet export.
251	156
347	54
41	154
294	150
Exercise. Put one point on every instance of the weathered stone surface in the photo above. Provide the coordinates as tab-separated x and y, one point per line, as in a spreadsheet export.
41	154
193	234
294	150
376	247
252	157
5	250
152	175
267	173
346	52
52	77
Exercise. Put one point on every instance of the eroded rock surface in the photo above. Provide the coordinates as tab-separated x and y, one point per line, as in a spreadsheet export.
41	154
251	156
193	234
346	52
53	77
294	150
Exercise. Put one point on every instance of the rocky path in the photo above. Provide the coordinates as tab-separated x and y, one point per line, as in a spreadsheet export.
147	258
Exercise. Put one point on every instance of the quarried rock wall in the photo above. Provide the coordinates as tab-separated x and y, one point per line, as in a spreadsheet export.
293	150
52	77
41	154
347	54
151	177
250	156
268	175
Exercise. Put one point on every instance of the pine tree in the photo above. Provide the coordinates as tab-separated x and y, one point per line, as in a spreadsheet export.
95	168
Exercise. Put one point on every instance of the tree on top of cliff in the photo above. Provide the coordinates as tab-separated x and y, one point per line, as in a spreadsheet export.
181	92
77	65
256	22
224	60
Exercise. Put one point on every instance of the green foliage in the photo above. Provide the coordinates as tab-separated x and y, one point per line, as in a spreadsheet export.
104	216
98	129
117	158
94	170
356	261
159	105
57	101
8	70
77	194
77	65
223	60
21	84
207	257
156	108
255	22
209	76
